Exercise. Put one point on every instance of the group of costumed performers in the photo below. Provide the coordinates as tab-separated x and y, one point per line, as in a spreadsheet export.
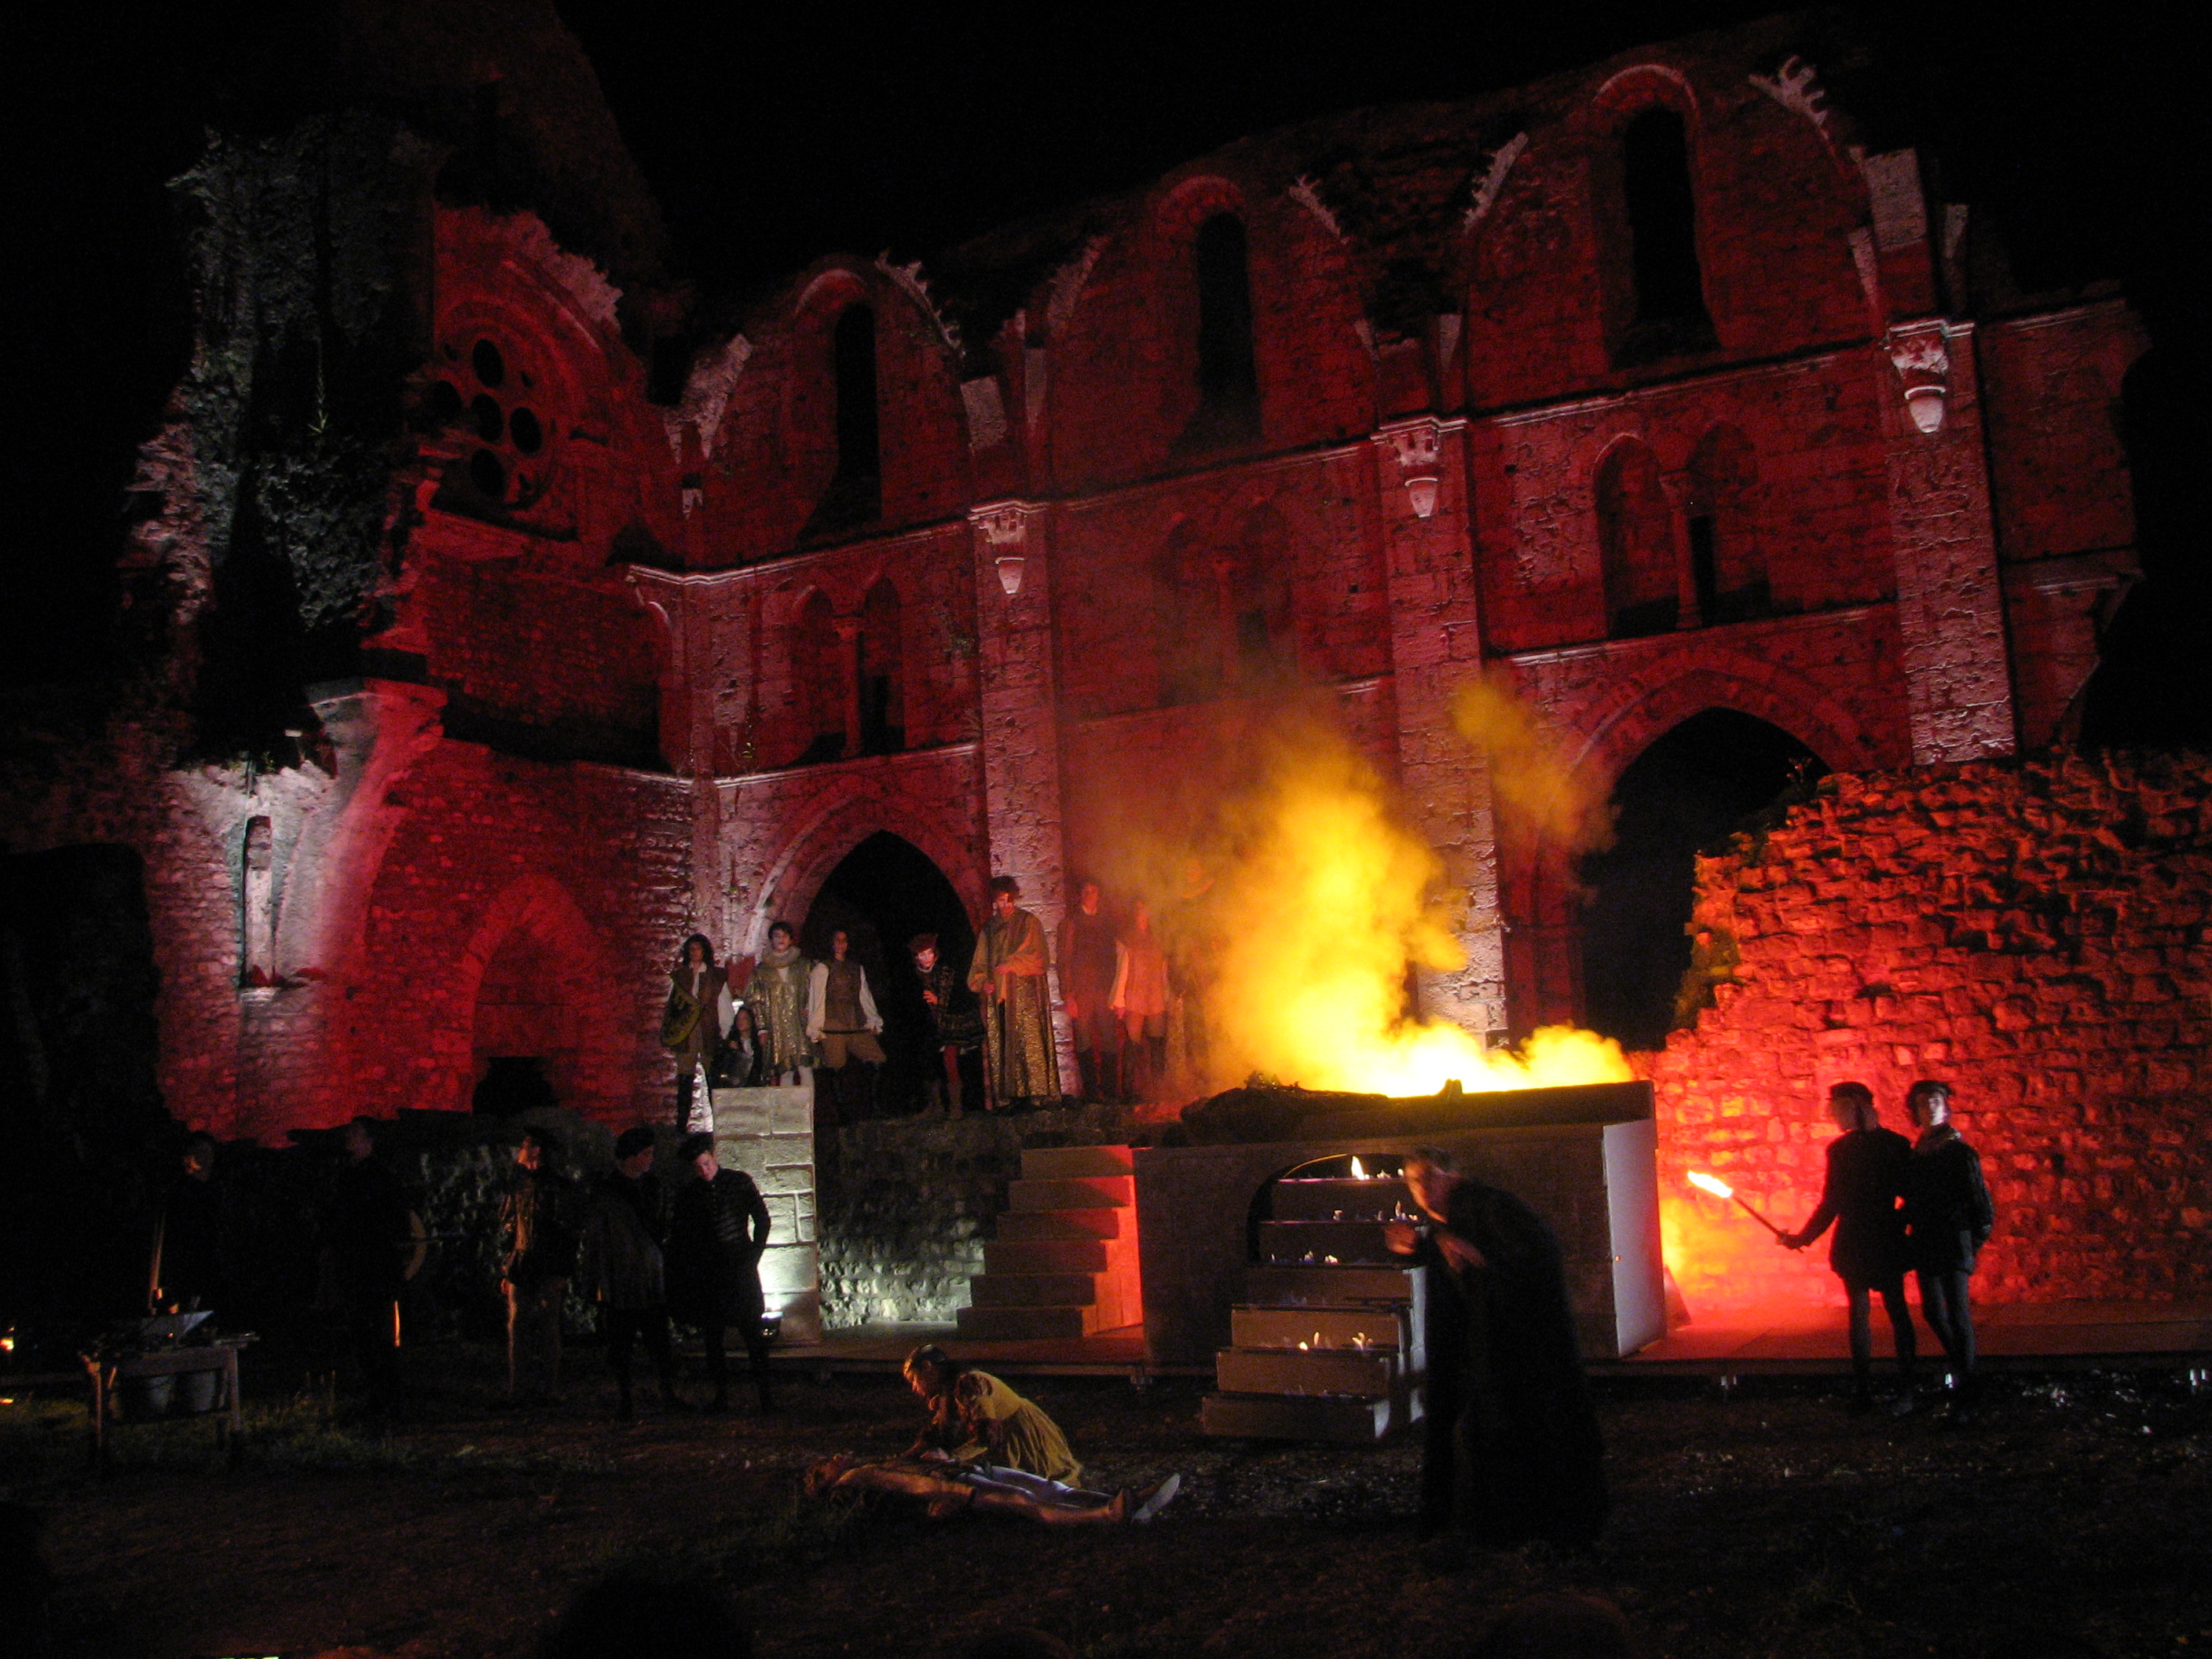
791	1014
720	1036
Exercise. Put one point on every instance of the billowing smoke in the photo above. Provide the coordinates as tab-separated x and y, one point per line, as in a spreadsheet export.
1296	900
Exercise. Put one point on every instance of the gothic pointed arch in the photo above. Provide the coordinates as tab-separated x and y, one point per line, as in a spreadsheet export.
823	839
1721	528
536	981
1637	557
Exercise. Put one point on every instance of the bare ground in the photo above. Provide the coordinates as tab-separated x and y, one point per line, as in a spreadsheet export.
1770	1523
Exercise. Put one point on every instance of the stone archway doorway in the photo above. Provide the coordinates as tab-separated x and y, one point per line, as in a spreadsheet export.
882	893
543	1030
1694	786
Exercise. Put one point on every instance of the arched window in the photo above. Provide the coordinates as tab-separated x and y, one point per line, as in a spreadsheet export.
1726	569
817	684
1228	378
855	494
1659	202
882	668
1257	598
1642	591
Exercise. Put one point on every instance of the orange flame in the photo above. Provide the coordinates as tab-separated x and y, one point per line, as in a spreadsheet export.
1301	896
1712	1184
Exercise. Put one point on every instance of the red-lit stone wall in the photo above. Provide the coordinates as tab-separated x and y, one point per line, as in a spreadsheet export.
761	448
580	873
2034	934
1777	205
1122	354
1438	298
544	649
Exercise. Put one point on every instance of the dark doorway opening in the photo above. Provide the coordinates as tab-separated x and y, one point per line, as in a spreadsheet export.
1685	794
512	1085
884	892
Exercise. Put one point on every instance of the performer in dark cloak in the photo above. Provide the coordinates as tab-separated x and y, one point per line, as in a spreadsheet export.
1513	1450
622	1266
721	1227
1949	1216
1865	1179
956	1023
1087	962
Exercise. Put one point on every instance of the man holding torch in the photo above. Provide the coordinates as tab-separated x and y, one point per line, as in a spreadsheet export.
1866	1177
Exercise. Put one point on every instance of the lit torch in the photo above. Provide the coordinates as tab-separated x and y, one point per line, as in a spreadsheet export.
1720	1189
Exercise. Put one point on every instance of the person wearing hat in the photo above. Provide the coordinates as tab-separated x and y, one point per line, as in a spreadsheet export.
538	1224
623	1268
713	1264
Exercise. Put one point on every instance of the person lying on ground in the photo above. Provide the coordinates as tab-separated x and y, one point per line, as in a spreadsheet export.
944	1489
975	1417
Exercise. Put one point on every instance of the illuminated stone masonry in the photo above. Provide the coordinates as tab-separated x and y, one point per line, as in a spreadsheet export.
978	553
2034	933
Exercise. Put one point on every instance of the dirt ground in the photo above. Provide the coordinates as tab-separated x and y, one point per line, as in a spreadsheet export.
1769	1522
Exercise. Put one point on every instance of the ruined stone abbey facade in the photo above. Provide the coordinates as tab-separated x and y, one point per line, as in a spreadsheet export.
1649	388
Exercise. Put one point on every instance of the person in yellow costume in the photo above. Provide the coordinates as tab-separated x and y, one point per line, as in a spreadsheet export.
973	1418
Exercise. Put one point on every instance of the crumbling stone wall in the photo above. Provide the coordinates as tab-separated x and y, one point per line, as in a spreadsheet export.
2036	935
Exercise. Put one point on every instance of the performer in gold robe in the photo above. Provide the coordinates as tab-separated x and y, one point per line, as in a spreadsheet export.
1008	973
777	991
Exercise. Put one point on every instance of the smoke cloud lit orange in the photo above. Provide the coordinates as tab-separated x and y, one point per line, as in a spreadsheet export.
1298	897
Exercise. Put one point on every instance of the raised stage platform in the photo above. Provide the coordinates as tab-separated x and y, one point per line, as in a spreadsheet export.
1808	1342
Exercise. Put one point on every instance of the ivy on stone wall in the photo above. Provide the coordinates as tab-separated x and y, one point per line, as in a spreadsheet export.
292	403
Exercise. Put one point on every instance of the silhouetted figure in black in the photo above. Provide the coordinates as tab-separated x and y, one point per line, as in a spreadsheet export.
713	1264
1513	1452
371	1236
1948	1217
1865	1181
621	1263
189	1272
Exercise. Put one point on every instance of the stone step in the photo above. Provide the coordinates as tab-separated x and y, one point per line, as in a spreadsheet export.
1315	1243
1290	1284
1306	1371
1357	1328
1075	1163
1340	1201
1067	1223
1025	1324
996	1290
1316	1417
1052	1255
1073	1193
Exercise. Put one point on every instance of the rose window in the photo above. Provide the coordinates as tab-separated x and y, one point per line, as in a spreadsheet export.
492	401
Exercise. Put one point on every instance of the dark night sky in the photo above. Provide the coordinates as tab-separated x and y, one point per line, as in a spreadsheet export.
773	135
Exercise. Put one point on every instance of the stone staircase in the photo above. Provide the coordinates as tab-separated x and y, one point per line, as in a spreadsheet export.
1328	1345
1064	1263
